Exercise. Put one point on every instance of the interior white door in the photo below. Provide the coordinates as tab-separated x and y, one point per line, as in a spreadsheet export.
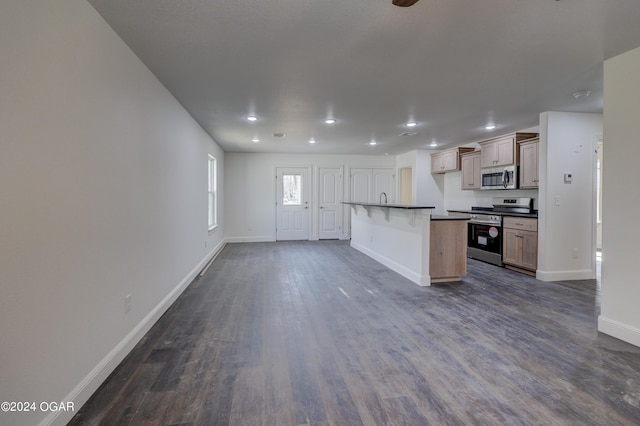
292	203
360	185
384	181
330	203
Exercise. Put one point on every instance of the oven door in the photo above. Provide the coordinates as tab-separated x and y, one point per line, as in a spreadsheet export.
486	237
485	242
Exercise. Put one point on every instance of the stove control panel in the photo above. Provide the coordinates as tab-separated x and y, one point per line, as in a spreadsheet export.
486	218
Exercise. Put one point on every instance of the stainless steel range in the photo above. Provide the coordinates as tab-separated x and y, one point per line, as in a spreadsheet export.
485	228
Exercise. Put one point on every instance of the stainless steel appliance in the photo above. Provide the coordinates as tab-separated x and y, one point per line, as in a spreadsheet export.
513	205
484	241
500	177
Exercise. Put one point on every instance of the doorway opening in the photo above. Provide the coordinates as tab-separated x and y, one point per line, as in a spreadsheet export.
406	185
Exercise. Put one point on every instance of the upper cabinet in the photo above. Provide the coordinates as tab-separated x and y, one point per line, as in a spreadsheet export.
502	151
529	163
471	170
447	161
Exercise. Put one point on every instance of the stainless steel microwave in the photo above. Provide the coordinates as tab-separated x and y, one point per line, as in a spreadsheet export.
500	177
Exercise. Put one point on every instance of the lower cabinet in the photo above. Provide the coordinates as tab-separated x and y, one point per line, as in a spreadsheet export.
448	249
520	244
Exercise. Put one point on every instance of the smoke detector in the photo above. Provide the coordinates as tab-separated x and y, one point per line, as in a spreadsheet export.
582	94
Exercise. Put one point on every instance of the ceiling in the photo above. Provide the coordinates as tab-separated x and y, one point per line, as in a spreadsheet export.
452	66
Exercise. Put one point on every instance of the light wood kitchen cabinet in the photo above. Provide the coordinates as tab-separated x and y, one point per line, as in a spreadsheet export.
448	249
502	151
520	244
529	163
447	161
471	170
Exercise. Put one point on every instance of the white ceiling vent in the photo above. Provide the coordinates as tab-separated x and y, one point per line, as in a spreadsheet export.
279	135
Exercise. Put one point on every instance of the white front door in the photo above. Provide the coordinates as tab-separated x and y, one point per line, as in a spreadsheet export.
292	203
330	203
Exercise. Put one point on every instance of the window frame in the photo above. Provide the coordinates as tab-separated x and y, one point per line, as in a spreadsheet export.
212	193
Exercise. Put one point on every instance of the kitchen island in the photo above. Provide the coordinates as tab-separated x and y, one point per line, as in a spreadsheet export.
399	237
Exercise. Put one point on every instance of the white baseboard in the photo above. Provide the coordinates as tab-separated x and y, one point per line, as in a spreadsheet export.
83	391
582	274
619	330
421	280
250	239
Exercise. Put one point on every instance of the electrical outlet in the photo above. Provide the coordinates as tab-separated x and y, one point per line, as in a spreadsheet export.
575	253
127	303
557	200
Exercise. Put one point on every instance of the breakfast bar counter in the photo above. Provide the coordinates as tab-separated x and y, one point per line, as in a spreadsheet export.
399	237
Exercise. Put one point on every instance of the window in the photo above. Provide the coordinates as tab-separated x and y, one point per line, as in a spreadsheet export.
213	199
291	190
599	185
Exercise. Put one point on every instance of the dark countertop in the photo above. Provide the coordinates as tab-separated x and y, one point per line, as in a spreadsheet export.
444	217
391	206
489	210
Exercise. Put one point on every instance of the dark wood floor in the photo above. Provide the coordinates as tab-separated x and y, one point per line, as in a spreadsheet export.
317	333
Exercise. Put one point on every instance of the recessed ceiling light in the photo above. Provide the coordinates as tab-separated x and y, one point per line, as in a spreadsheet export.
255	140
330	120
252	118
373	143
411	124
490	126
433	144
408	133
312	140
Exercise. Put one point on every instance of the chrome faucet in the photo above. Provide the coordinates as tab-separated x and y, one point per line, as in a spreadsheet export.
385	197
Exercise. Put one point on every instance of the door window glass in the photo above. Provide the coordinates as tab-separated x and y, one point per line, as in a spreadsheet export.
291	190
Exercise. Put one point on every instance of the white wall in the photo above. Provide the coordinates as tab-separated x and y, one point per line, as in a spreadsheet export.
620	303
103	194
425	189
458	199
566	241
250	189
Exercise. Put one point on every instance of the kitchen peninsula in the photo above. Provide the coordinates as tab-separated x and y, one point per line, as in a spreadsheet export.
408	239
